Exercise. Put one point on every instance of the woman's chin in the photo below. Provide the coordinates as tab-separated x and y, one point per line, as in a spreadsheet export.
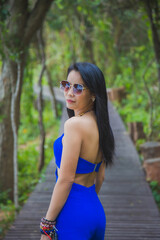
69	106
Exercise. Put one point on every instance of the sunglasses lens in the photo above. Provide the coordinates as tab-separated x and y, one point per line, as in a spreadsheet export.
77	89
64	85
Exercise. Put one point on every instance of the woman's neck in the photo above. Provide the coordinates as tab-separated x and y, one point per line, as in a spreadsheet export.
81	112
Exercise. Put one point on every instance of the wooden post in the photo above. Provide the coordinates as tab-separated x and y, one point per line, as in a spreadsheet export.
136	131
151	163
116	94
152	168
150	150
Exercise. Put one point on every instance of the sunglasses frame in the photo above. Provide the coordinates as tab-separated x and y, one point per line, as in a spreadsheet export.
83	88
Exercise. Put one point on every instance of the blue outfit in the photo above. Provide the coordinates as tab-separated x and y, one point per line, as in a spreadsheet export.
82	216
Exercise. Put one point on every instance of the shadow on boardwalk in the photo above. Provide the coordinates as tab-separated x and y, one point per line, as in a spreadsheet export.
127	199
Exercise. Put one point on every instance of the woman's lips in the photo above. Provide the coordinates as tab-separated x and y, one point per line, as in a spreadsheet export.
70	101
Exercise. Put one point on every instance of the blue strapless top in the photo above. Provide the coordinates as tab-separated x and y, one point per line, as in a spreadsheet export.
83	165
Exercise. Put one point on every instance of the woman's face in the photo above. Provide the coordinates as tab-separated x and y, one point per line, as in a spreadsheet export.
77	102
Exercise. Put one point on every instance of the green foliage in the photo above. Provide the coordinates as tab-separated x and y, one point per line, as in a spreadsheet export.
138	76
29	115
138	143
156	191
27	174
28	156
28	152
4	13
8	211
120	39
4	196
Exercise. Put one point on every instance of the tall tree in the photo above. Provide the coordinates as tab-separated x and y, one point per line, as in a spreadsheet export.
153	12
19	22
40	100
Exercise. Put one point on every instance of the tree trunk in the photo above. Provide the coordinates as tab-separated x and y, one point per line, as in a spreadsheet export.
89	50
6	133
152	9
19	26
40	45
40	100
15	91
53	98
41	125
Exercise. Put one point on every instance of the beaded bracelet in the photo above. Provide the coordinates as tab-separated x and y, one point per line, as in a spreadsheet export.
48	228
43	219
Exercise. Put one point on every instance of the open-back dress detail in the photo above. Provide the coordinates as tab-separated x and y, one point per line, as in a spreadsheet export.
82	216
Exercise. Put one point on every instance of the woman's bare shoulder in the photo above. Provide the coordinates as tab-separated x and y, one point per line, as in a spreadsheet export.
73	121
79	124
73	125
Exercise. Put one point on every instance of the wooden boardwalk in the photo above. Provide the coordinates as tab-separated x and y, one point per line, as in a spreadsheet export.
127	199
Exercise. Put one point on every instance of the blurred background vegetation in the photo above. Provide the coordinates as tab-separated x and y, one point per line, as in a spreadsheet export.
117	36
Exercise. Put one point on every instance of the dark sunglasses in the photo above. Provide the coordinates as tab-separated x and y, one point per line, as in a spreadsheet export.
77	88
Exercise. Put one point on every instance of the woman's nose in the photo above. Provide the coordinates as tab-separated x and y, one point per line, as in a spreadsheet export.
70	91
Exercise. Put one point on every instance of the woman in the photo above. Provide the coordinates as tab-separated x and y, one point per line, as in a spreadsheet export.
82	153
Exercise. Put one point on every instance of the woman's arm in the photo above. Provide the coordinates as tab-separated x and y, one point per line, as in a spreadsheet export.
100	177
71	149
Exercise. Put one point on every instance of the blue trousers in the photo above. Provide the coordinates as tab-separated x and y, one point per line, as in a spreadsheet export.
83	216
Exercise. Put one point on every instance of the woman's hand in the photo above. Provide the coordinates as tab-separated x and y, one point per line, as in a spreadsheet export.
44	237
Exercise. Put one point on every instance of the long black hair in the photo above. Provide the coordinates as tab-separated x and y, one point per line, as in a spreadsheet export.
94	80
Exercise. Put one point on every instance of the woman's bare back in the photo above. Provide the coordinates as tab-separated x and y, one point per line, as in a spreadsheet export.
89	149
